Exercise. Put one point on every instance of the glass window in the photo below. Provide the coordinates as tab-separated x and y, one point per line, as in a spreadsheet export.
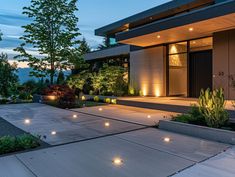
201	44
178	48
112	41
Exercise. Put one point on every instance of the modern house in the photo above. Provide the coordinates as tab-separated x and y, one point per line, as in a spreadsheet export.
175	49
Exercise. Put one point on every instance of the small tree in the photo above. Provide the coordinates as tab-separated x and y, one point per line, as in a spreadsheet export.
8	76
97	80
78	81
53	33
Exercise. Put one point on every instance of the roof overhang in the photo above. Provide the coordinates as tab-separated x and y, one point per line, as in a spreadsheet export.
204	22
153	14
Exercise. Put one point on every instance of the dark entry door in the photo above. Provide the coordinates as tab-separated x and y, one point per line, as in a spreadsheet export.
200	72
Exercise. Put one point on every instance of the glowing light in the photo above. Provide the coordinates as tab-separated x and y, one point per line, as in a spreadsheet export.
167	139
107	124
191	29
100	109
75	116
53	133
52	98
27	121
158	36
117	161
149	116
114	101
157	93
83	98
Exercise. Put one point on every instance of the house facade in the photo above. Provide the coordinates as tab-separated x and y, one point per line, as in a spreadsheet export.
175	49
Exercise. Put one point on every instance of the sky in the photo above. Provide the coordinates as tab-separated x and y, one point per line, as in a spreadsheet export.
92	15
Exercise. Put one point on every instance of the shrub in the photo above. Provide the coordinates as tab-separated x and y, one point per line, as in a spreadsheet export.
212	106
96	99
193	117
107	100
66	96
12	144
25	96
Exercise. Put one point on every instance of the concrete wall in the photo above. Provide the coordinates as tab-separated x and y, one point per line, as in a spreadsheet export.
224	62
147	71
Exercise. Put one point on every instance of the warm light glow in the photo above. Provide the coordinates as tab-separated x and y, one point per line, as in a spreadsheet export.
157	93
167	139
52	97
107	124
158	36
117	161
83	98
100	109
27	121
191	29
75	116
53	133
149	116
114	101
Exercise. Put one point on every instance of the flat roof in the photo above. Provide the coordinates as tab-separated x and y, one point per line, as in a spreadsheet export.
162	11
209	12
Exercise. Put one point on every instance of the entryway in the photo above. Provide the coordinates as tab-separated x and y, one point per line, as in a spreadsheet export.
200	72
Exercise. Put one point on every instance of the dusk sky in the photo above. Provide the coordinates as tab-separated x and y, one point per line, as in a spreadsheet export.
92	14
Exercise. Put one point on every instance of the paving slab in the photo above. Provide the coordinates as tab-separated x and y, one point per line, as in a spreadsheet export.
222	165
194	149
142	116
12	167
94	158
46	119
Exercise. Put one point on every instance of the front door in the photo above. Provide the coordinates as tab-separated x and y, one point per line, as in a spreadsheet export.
200	72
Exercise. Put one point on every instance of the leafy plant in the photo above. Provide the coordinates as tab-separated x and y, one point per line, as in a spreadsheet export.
12	144
193	117
212	106
107	100
96	99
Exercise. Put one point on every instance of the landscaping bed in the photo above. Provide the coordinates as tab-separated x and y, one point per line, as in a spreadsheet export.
13	139
213	134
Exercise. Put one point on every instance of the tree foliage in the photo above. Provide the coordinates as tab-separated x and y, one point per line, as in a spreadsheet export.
52	33
8	76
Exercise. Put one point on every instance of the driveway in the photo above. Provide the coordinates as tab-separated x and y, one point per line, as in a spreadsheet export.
59	126
142	153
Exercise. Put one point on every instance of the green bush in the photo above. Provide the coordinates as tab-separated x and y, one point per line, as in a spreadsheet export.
212	106
193	117
107	100
12	144
96	99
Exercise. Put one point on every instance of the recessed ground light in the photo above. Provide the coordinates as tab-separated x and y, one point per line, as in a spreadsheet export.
53	133
75	116
106	124
191	29
100	109
149	116
167	139
117	161
27	121
158	36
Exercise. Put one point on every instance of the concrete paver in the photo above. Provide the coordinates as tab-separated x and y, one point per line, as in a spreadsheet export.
94	158
12	167
45	119
187	147
131	114
222	165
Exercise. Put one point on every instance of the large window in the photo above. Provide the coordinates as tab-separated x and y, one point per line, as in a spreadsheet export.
178	65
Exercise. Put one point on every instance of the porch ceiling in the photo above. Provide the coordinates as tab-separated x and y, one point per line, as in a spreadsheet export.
198	29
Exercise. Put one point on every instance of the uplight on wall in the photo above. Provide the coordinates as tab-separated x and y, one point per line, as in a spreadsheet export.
157	92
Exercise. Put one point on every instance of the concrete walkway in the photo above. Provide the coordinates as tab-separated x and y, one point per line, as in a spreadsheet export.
142	153
59	126
148	117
